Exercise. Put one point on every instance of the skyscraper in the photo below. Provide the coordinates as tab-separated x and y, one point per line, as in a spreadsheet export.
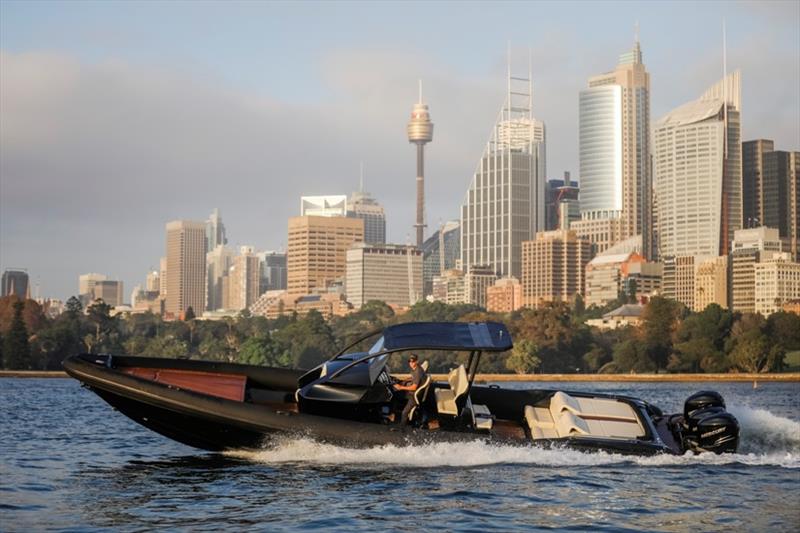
273	271
365	207
323	206
15	281
505	203
614	129
215	231
317	248
771	190
110	291
698	173
186	267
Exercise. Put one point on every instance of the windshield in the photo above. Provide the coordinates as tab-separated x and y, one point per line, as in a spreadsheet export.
377	347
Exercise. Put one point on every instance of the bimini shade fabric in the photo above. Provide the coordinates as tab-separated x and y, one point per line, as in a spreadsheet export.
484	336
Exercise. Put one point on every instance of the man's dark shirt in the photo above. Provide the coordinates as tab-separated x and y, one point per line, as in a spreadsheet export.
418	376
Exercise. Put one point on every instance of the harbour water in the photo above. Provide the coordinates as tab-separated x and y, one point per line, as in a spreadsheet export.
68	462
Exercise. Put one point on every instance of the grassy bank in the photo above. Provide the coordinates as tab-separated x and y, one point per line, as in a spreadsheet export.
783	377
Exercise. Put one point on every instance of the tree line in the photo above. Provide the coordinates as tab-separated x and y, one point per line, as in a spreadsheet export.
550	339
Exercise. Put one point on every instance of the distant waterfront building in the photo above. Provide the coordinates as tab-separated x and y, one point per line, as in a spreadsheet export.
679	278
553	267
273	271
505	203
316	255
390	273
110	291
454	286
162	278
777	282
601	230
218	265
505	296
698	173
610	275
365	207
614	130
186	267
711	283
561	203
622	316
215	231
244	280
323	206
15	282
440	252
749	247
153	281
86	283
327	304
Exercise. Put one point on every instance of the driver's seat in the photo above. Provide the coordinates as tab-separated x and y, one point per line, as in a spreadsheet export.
420	395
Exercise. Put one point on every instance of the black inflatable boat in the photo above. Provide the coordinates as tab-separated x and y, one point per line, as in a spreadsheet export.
350	400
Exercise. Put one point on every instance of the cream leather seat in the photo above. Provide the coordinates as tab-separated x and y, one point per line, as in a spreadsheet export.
568	416
591	407
446	399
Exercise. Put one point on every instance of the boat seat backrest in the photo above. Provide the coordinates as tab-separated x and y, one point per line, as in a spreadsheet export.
422	391
603	408
449	401
424	365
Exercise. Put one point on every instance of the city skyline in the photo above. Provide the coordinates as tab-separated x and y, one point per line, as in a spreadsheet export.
123	188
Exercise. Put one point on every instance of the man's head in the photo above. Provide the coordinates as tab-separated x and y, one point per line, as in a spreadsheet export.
413	361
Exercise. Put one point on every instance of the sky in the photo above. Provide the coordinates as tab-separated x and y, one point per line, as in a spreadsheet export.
117	117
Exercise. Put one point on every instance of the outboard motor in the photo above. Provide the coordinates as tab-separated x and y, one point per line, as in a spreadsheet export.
707	426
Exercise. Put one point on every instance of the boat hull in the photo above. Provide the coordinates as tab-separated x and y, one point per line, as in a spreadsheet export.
214	423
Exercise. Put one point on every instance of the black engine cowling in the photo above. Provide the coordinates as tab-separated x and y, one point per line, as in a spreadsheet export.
702	400
707	426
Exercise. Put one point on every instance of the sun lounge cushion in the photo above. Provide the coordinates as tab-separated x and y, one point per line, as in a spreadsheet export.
591	408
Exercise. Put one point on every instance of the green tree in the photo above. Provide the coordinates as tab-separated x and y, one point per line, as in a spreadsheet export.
189	314
16	350
632	356
73	308
750	347
700	341
523	359
659	321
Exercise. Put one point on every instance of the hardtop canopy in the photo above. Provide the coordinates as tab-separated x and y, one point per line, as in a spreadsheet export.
465	336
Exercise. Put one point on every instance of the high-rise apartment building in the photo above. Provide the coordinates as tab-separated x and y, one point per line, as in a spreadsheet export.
244	279
15	282
698	173
390	273
505	203
153	281
273	271
440	252
777	281
505	296
711	283
215	231
162	278
614	130
186	267
553	267
752	181
455	286
317	251
749	247
365	207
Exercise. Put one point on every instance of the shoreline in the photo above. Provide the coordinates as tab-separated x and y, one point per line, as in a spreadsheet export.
786	377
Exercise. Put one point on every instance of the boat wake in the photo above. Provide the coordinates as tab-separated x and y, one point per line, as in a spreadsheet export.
766	440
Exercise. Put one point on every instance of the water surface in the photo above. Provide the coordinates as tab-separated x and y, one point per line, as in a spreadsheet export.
69	462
